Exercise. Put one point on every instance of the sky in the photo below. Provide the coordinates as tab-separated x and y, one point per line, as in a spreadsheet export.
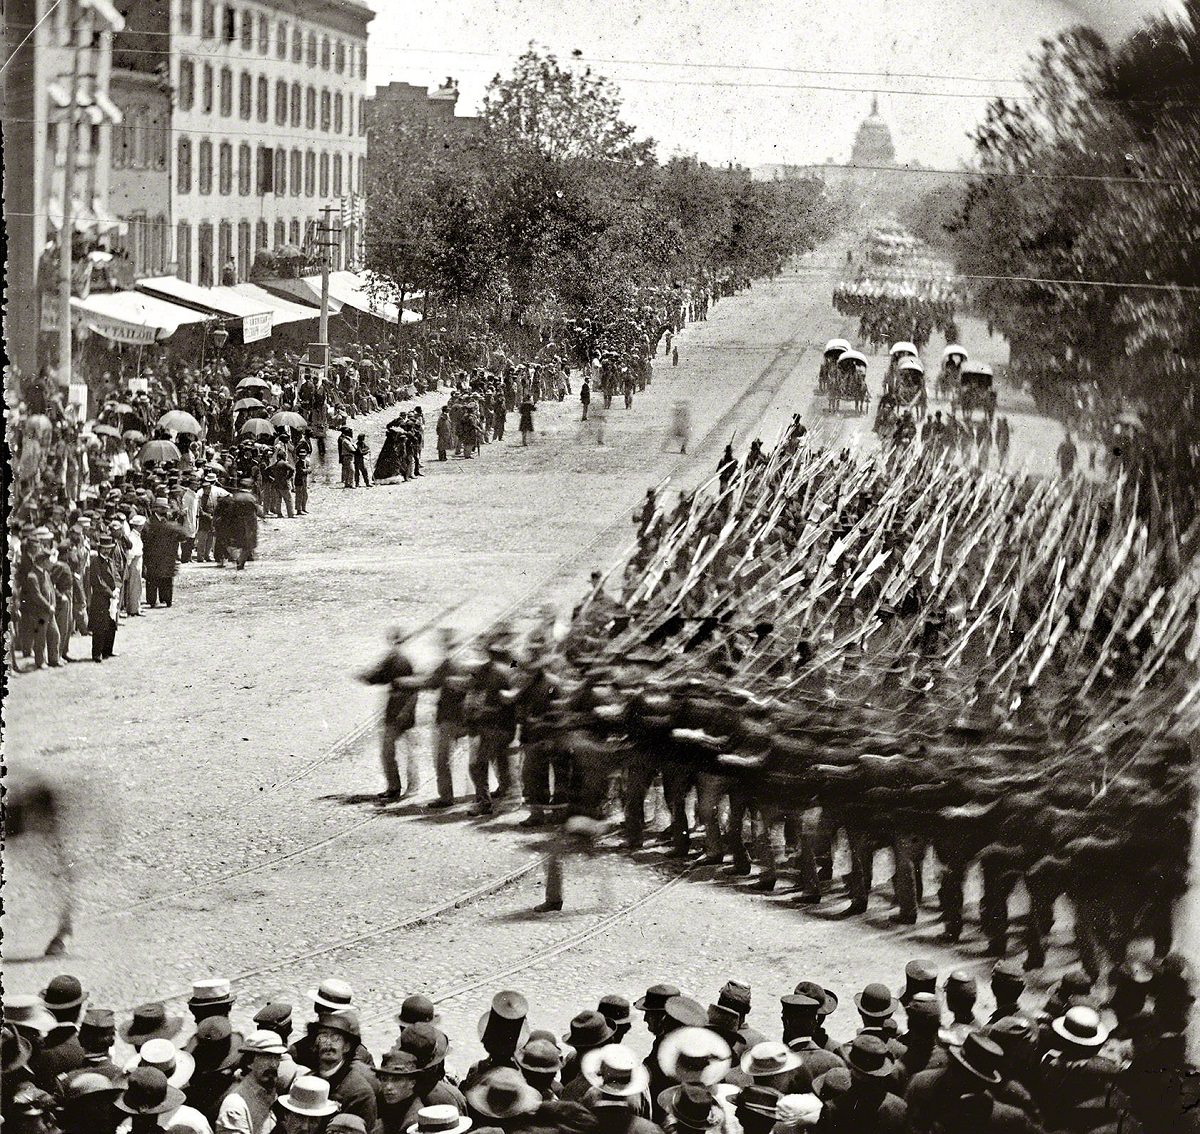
738	79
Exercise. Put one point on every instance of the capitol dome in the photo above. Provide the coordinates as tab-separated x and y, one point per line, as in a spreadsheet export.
873	142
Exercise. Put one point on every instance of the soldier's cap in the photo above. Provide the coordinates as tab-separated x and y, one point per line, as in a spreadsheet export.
274	1015
685	1012
800	1005
923	1007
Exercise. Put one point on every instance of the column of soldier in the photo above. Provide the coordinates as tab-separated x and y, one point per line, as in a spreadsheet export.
928	1058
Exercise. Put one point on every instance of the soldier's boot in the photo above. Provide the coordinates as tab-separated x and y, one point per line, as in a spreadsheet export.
950	898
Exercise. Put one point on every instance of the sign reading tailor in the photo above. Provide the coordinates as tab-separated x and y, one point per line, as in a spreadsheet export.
255	327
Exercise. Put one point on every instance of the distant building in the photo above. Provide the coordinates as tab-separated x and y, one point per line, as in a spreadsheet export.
418	119
46	46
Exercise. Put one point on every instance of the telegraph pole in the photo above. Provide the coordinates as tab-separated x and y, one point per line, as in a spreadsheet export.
326	245
66	242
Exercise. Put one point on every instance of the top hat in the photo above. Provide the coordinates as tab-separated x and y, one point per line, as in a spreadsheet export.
427	1044
148	1092
308	1095
615	1009
981	1057
694	1108
588	1030
505	1022
150	1021
919	976
503	1093
869	1056
876	1002
694	1055
656	998
615	1070
417	1009
443	1119
1008	974
63	992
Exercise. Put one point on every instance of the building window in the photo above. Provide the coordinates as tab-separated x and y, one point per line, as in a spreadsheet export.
120	144
245	97
297	172
156	142
264	35
339	57
338	116
310	109
297	45
337	175
244	250
281	171
206	89
183	251
362	63
184	162
294	233
137	129
295	104
264	96
229	24
324	175
281	40
350	63
225	168
208	25
245	179
226	92
281	103
280	234
310	49
350	115
187	17
187	84
362	118
324	53
204	254
310	173
325	112
266	170
362	175
247	37
260	234
224	246
205	174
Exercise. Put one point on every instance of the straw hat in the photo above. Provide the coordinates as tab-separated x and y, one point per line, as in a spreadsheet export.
695	1055
615	1070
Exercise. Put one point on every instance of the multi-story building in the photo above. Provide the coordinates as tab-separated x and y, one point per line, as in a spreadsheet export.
56	99
266	127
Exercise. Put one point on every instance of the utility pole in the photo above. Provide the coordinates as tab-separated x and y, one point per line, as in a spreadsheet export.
66	241
327	231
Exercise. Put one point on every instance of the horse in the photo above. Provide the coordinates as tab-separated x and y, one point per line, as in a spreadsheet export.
34	806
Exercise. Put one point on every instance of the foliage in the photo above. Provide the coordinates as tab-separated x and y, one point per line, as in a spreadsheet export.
1094	179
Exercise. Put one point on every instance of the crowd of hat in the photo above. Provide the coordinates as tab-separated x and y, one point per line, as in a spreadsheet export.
927	1057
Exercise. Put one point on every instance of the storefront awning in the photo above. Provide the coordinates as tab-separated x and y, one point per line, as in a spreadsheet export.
350	290
130	317
252	316
282	310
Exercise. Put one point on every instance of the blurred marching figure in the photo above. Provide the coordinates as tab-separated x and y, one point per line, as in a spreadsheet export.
396	672
681	427
32	806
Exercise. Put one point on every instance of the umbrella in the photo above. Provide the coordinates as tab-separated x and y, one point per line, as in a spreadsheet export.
158	451
106	430
178	421
258	427
133	435
289	420
246	383
247	403
119	407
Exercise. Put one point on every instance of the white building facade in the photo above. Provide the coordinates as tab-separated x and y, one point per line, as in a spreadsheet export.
267	128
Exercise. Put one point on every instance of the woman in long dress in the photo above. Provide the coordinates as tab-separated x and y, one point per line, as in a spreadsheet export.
392	459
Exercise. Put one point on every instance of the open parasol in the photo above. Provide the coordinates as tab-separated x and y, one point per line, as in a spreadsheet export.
257	427
179	421
253	383
289	420
133	435
158	451
247	403
106	431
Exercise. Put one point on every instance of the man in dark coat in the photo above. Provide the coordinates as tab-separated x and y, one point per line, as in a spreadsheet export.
396	671
60	1051
161	538
351	1084
103	586
238	515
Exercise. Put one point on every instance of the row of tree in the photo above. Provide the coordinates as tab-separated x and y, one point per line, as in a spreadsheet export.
554	209
1093	181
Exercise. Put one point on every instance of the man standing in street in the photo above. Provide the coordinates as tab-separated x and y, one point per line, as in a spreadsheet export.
103	586
189	506
210	493
303	466
346	456
396	671
585	396
242	511
160	554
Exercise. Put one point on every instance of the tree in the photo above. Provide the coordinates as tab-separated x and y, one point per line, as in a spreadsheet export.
560	113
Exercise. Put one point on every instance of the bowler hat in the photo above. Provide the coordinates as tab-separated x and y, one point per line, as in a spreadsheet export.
656	998
150	1021
63	992
876	1002
417	1009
